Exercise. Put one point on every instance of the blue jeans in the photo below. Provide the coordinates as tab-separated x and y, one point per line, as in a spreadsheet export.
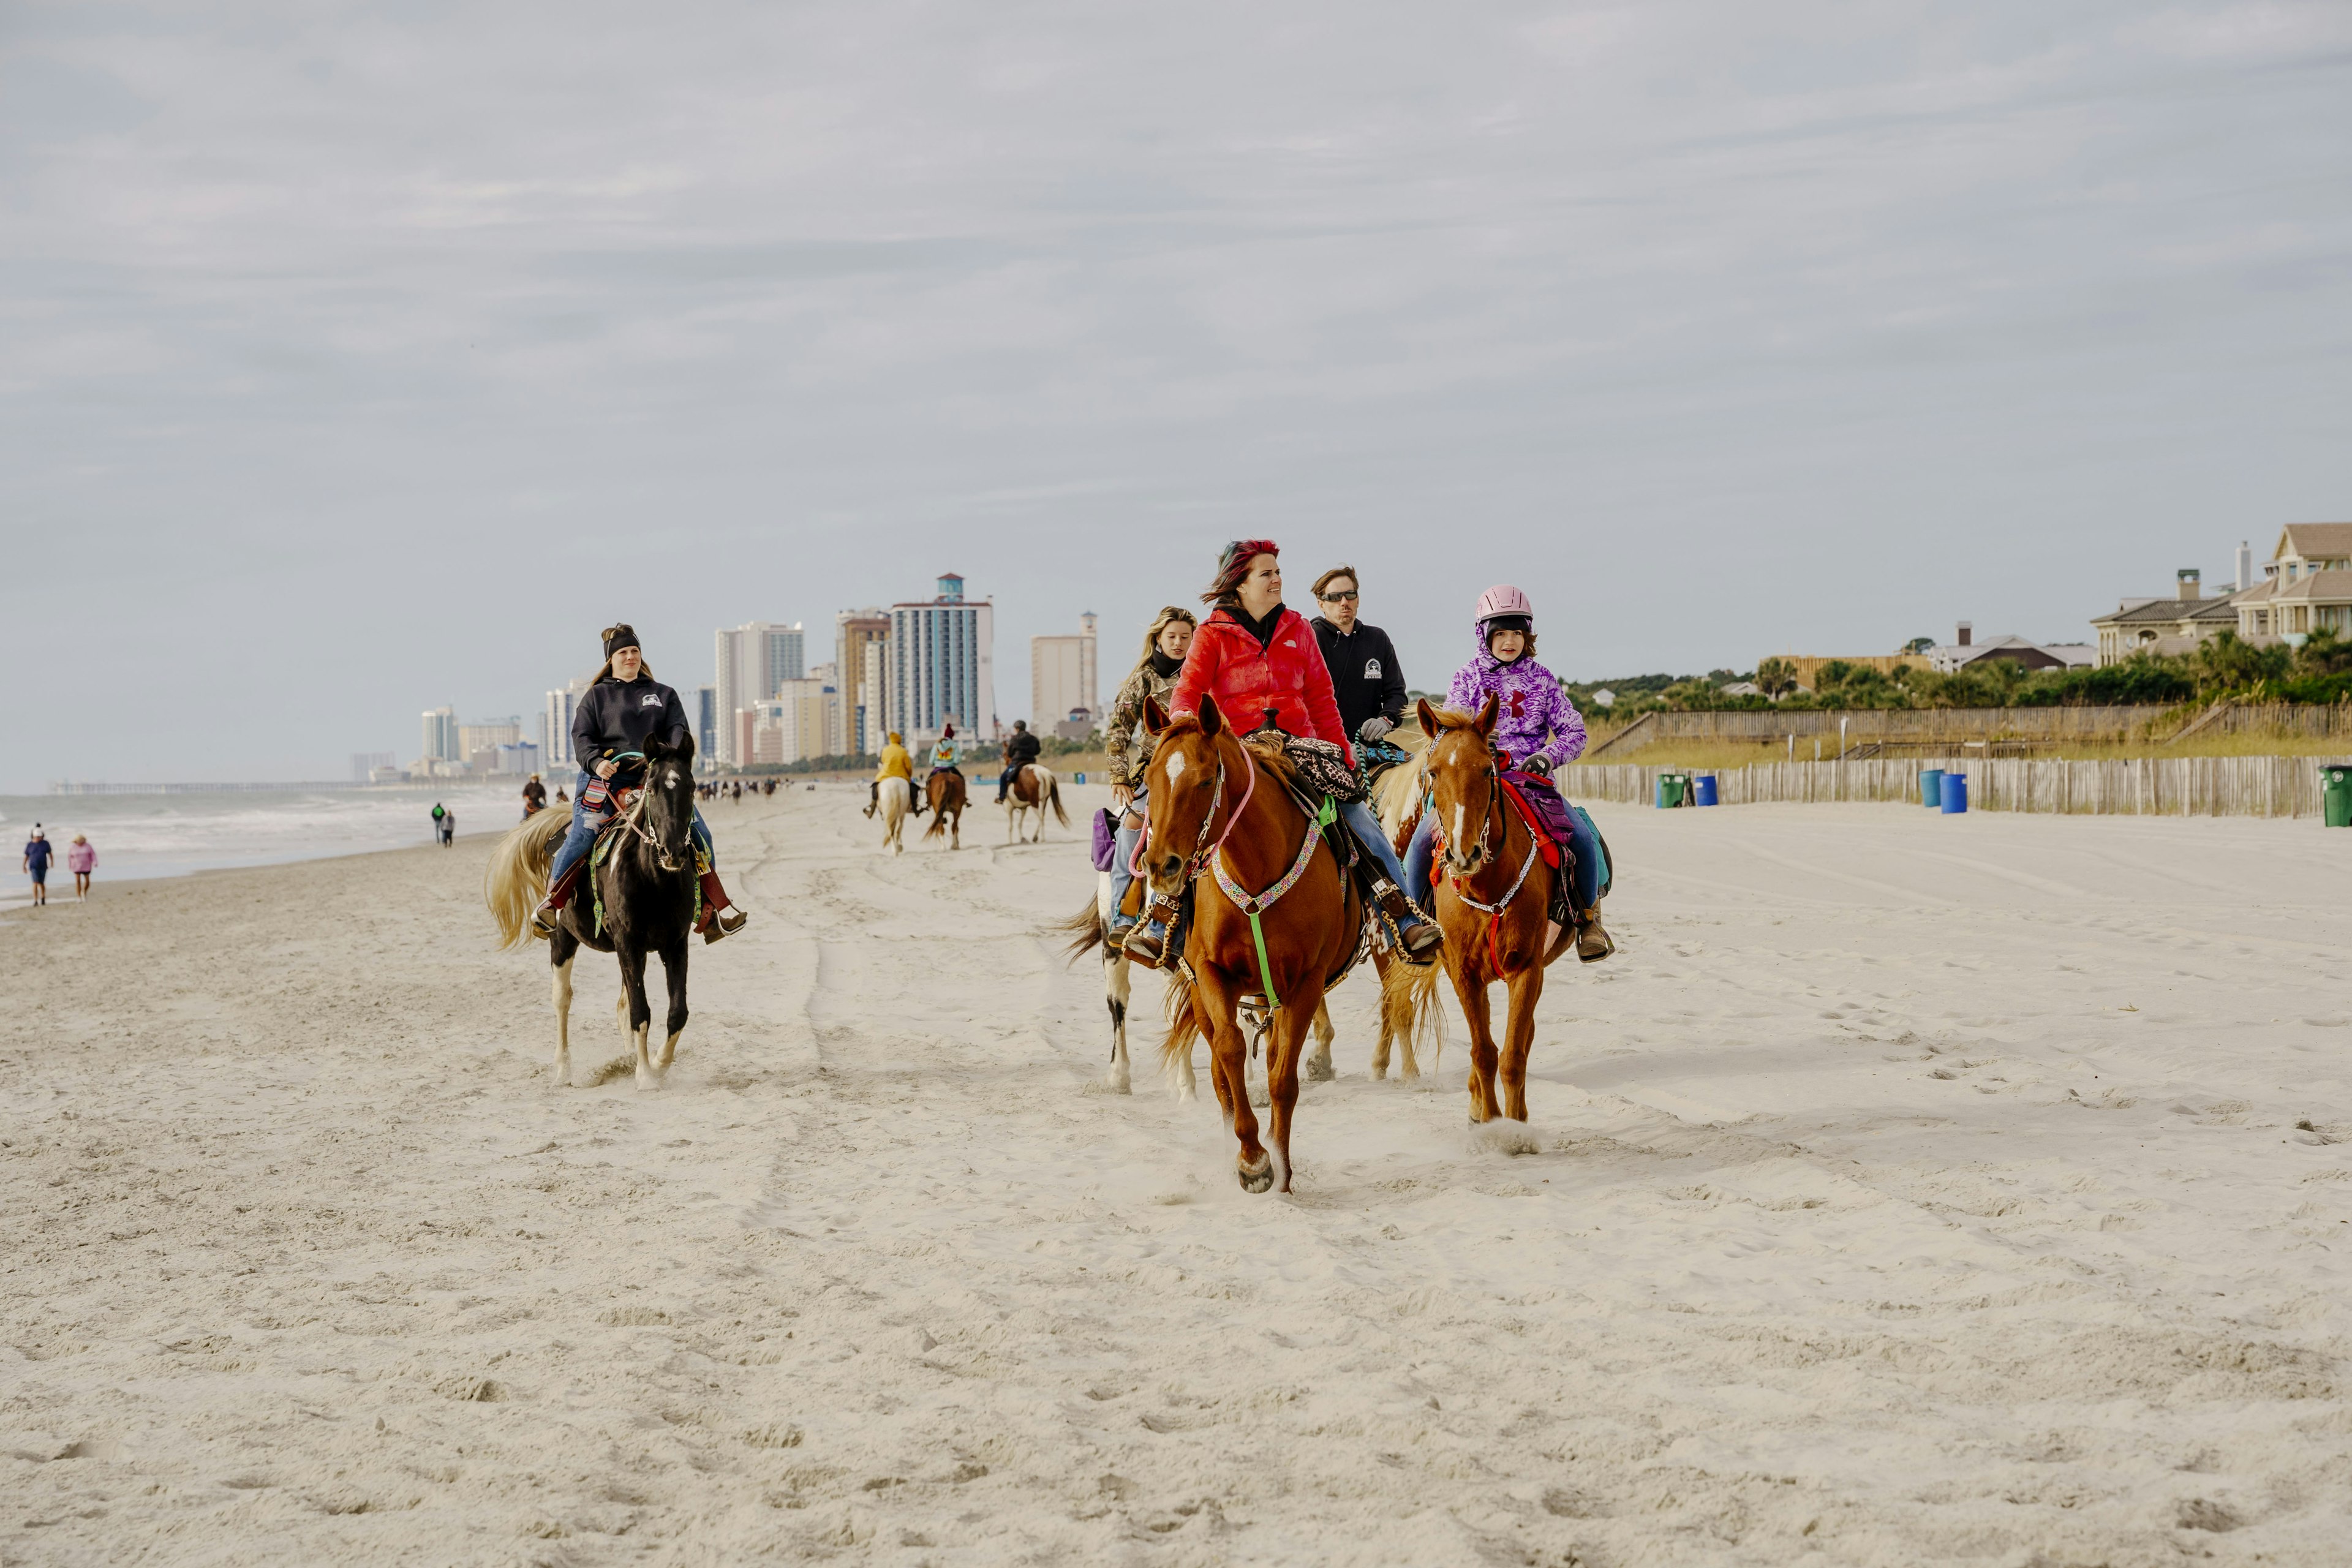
582	835
1357	816
1586	887
1124	843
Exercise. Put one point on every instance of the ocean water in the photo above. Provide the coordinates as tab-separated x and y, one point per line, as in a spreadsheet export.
173	835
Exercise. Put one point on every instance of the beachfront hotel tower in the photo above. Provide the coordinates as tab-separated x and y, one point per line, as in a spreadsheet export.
861	641
943	659
753	659
1065	695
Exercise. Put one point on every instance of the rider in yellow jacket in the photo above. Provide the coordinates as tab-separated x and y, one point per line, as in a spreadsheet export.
896	765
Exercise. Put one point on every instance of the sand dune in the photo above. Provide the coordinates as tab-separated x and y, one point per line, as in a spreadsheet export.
1909	1189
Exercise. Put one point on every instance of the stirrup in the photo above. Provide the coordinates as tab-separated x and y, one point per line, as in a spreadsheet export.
1586	928
718	925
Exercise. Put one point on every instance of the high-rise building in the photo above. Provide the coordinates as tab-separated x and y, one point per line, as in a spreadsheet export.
874	694
487	734
944	665
855	634
705	708
555	723
798	723
1062	685
365	763
753	659
440	740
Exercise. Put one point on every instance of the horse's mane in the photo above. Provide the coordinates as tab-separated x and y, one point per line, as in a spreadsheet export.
1450	718
1268	754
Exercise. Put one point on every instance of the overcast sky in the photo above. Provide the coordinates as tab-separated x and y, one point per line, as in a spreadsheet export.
355	359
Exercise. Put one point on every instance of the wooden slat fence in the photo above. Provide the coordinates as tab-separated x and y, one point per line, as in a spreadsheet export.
2164	786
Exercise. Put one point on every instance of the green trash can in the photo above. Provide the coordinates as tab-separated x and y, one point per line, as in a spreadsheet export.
1673	789
1931	788
2336	797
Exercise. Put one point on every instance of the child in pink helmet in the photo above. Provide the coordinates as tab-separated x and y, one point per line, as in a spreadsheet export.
1539	729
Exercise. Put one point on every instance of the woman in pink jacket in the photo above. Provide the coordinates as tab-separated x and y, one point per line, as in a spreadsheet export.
81	859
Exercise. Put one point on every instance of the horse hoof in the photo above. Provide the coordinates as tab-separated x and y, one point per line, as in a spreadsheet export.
1320	1071
1258	1179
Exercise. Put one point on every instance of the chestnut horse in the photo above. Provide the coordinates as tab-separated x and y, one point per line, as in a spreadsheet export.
1281	920
945	792
1492	898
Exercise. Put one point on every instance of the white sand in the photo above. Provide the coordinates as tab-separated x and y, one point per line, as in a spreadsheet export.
1910	1189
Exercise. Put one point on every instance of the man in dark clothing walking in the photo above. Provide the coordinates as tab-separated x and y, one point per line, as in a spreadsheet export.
1365	675
1021	749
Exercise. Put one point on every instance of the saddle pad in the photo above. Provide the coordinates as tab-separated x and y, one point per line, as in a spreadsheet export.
1323	768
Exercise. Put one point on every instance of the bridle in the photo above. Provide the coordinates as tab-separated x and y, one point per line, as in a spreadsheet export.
1494	912
631	817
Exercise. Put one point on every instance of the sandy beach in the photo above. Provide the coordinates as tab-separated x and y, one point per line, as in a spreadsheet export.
1908	1190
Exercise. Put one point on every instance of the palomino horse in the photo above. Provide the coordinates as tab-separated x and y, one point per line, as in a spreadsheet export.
944	790
644	886
1493	902
1283	925
894	799
1034	788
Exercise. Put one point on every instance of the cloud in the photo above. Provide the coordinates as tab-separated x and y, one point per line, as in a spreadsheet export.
420	341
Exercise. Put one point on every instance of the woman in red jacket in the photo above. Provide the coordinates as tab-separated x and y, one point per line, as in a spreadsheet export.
1258	659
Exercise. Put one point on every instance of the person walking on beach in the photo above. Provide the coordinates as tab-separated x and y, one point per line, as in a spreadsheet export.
449	828
534	798
438	815
81	859
38	851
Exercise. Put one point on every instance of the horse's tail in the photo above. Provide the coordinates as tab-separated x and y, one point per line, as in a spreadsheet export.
1183	1021
1054	796
1083	929
515	879
939	827
1409	1009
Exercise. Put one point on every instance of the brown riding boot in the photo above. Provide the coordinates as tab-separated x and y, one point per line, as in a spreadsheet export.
719	918
1592	943
1416	931
543	918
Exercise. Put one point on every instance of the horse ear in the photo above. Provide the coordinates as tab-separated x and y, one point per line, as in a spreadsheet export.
1429	725
655	751
683	749
1485	722
1155	717
1211	720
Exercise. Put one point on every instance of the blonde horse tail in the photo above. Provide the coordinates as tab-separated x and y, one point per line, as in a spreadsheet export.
1083	929
1409	1008
1054	794
515	879
1184	1022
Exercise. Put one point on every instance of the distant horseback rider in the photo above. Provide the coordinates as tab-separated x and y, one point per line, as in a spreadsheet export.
1538	729
623	707
1021	749
1258	658
895	764
1153	678
1365	678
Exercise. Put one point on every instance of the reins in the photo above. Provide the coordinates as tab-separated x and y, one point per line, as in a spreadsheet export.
1494	912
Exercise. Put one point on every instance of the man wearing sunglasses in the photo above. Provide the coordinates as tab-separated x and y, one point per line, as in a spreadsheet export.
1365	676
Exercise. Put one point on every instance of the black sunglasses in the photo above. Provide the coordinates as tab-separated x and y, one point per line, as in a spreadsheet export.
1335	598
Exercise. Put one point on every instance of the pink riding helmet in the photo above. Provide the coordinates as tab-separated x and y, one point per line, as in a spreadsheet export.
1502	599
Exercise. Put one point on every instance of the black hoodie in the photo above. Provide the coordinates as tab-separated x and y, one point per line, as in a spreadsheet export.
619	716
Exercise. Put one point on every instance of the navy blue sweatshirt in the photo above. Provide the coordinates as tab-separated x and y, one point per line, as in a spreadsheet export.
617	716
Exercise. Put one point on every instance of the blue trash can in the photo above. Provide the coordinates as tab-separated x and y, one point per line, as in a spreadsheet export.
1956	793
1704	788
1931	788
1079	779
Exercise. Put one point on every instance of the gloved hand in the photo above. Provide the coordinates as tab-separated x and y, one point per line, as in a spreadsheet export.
1372	729
1539	766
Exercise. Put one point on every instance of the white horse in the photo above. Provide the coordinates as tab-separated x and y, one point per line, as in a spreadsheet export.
895	796
1034	788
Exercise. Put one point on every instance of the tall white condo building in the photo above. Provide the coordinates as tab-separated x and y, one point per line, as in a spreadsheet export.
754	659
1065	697
942	662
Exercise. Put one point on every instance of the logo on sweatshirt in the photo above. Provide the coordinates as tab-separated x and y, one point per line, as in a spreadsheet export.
650	700
1372	670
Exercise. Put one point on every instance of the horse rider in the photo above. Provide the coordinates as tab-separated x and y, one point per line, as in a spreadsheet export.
896	765
946	751
1365	678
1538	729
1153	677
1021	749
1254	655
623	708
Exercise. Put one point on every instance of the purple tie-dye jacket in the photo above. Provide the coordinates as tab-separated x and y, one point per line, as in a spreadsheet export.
1533	717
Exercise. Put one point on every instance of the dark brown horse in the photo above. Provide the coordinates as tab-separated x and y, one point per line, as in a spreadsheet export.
944	790
1221	808
1492	897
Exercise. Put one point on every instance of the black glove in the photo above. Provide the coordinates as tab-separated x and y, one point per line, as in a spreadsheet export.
1539	766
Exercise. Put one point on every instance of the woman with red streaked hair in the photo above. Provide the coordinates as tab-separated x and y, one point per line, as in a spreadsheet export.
1261	662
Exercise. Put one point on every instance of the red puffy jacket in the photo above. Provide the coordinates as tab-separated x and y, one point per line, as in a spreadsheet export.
1287	674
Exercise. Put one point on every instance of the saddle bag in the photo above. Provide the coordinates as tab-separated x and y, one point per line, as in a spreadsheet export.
1106	840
